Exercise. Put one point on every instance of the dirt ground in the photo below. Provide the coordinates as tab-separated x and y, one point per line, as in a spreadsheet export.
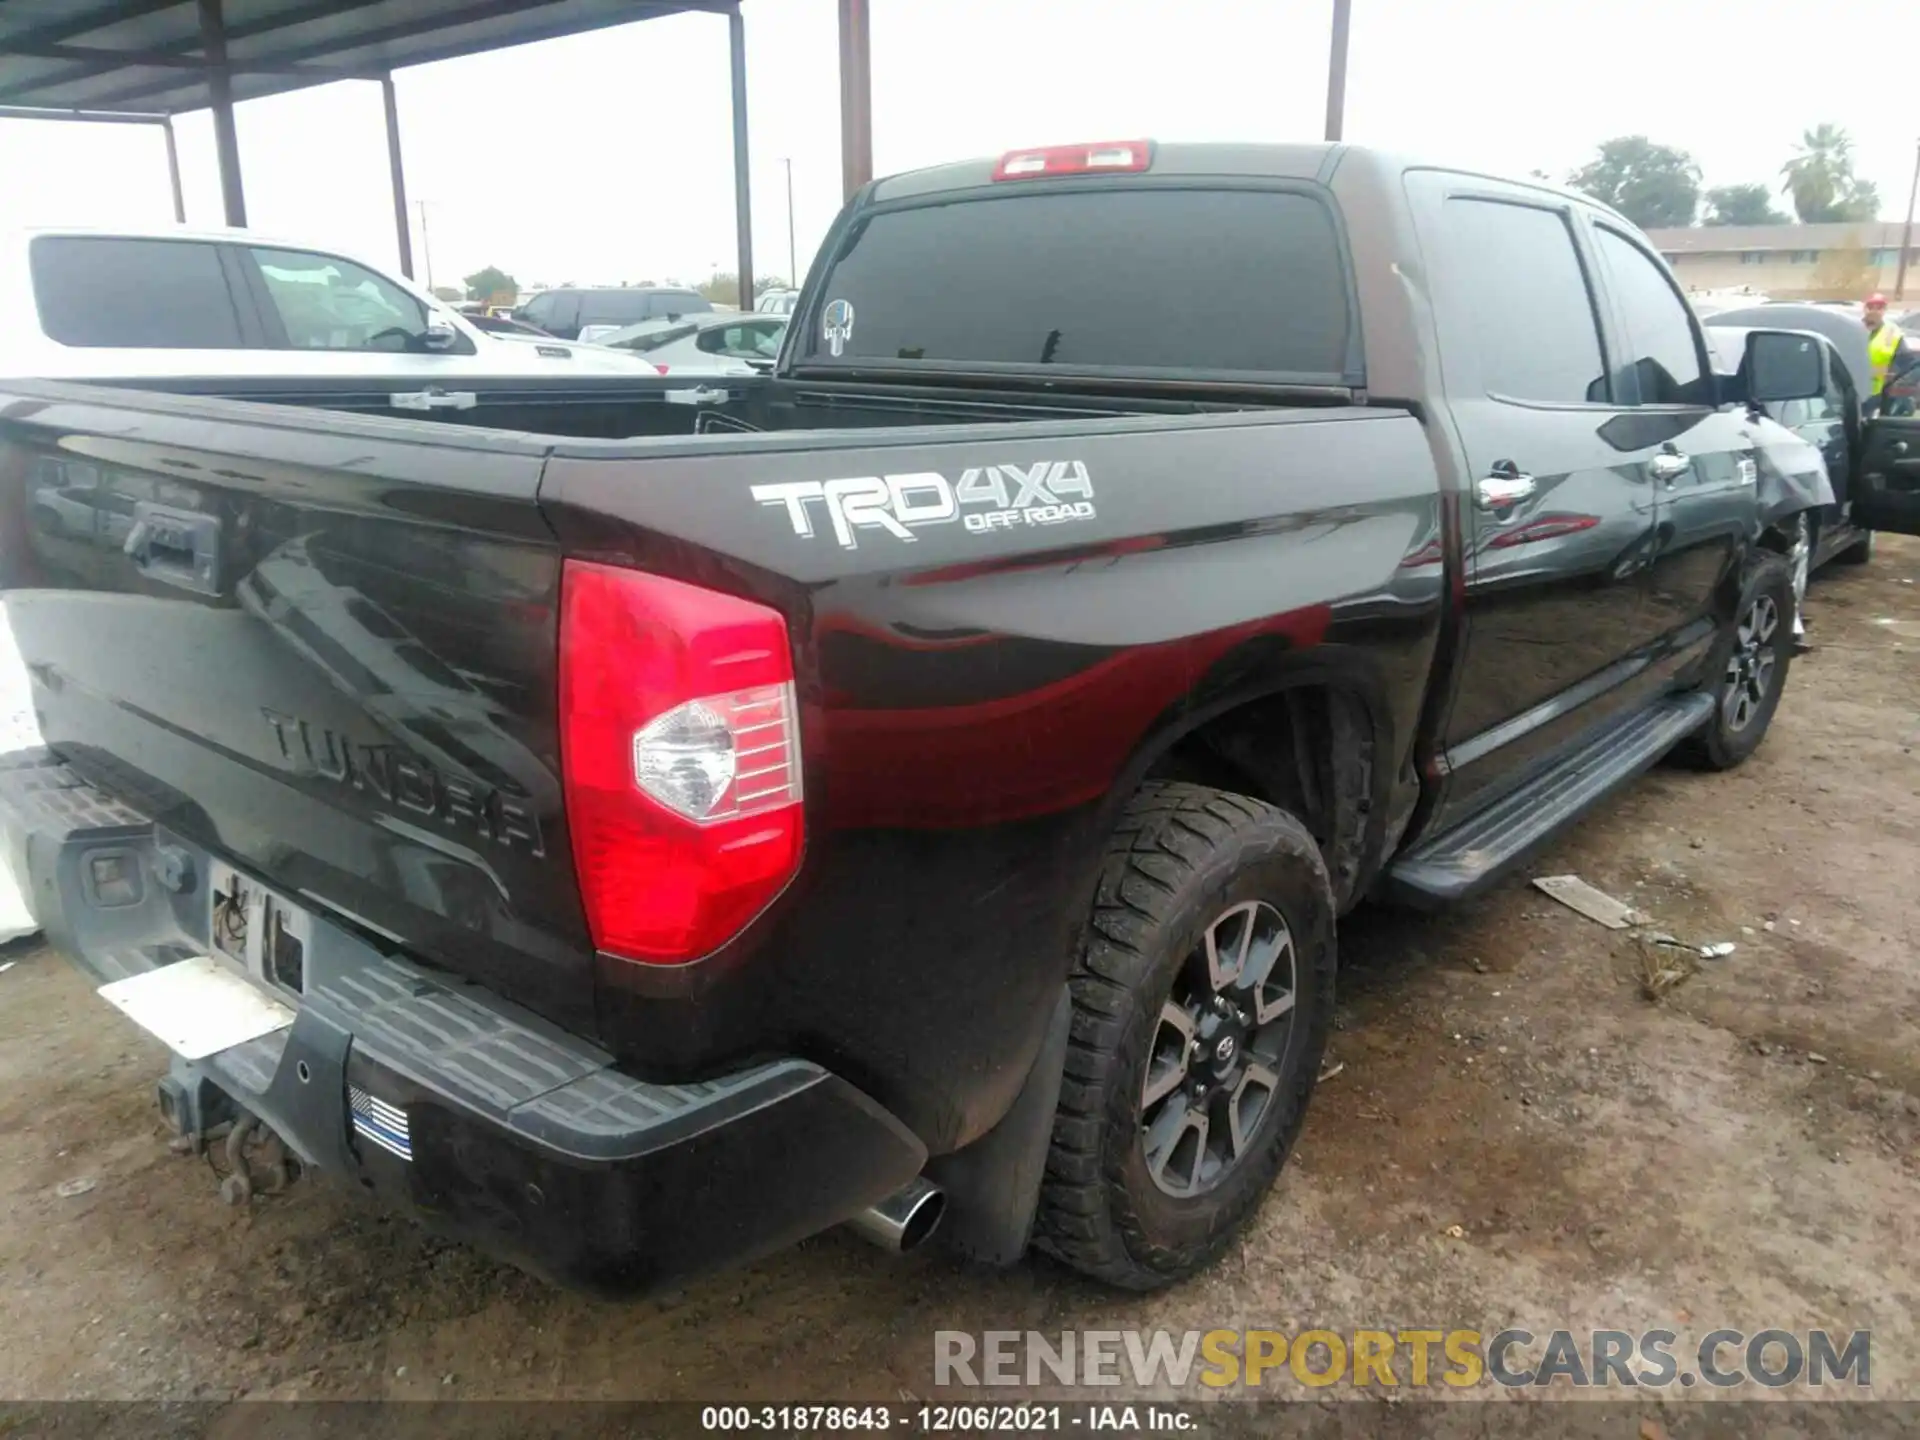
1746	1150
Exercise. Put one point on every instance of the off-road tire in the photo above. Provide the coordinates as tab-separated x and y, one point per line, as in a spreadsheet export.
1722	745
1180	856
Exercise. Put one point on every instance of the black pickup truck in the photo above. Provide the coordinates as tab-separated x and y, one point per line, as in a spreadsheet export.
675	821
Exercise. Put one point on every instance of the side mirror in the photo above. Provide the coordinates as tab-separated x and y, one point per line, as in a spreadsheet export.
440	336
1782	365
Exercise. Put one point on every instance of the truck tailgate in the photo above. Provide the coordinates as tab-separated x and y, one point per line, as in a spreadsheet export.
319	647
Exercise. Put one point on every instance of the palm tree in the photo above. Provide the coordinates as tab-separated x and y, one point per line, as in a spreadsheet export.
1821	175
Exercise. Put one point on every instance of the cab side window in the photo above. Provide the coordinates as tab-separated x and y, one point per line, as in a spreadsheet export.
565	314
326	303
1534	332
1663	348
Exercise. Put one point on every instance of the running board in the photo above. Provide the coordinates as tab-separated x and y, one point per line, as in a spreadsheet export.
1473	854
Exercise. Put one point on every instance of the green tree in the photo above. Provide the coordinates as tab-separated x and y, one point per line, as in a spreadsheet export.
1862	204
1821	181
1741	205
487	283
1652	185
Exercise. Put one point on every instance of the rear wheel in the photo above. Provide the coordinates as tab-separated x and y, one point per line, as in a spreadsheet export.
1751	663
1201	1004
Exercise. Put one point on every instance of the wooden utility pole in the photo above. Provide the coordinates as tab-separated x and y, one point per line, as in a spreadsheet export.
1906	234
856	97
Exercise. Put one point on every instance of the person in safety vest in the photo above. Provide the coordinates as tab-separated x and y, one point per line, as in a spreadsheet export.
1888	349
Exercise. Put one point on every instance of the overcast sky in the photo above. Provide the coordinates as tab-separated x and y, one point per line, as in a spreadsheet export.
608	156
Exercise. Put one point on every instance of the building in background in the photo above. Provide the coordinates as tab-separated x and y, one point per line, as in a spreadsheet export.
1789	262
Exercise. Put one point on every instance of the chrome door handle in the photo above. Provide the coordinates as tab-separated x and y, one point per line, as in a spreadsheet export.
434	398
1497	492
1669	465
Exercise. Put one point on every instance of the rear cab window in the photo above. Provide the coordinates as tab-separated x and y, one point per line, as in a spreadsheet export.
136	294
1161	281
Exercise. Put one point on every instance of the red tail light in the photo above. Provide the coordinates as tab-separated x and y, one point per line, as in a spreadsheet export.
680	752
1107	155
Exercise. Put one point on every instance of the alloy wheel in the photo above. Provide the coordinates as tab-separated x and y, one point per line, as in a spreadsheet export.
1750	668
1219	1047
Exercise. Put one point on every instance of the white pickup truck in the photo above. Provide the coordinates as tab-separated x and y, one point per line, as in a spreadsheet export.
220	305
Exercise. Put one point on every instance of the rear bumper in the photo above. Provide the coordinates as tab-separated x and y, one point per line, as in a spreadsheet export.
486	1123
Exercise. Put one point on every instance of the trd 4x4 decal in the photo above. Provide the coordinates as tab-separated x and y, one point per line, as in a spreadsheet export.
984	499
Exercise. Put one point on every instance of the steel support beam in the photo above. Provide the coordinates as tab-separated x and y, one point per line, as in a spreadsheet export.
173	172
856	97
101	61
113	117
742	190
397	173
226	141
92	117
412	26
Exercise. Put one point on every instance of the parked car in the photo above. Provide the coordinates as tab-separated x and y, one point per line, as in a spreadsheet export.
663	849
69	501
224	306
1830	420
567	313
777	302
726	344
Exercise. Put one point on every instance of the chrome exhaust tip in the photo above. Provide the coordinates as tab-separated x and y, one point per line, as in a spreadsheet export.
903	1220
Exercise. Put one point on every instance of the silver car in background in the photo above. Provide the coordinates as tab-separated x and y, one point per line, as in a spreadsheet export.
744	343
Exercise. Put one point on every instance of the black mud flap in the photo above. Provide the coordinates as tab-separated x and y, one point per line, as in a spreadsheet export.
1886	496
993	1186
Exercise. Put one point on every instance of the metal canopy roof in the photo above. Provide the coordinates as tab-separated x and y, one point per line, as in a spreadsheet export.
150	56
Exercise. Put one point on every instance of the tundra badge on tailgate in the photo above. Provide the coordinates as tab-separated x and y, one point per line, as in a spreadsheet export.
985	499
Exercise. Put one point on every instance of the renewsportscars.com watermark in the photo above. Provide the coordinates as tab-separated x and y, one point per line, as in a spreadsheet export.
1411	1358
